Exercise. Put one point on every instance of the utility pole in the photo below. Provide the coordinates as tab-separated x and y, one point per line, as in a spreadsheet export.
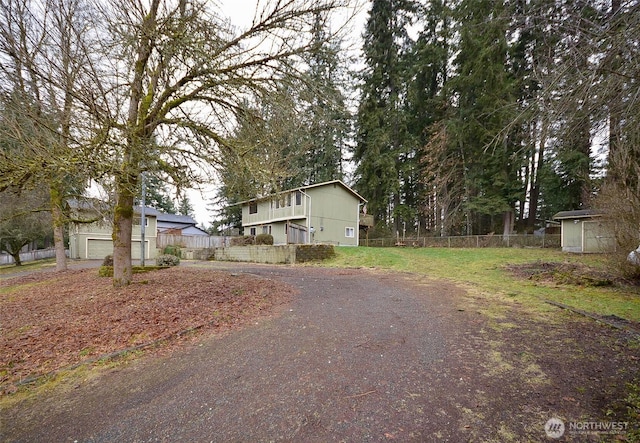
143	220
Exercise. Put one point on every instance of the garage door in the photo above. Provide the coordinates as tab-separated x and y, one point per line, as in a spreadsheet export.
100	248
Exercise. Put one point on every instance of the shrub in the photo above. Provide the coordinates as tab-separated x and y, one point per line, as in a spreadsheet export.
306	253
172	250
264	239
245	240
105	271
167	260
108	261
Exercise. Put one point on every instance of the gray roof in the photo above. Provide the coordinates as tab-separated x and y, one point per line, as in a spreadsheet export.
304	188
148	211
166	219
175	218
582	213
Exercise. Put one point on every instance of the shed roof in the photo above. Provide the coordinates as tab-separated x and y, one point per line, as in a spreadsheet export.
582	213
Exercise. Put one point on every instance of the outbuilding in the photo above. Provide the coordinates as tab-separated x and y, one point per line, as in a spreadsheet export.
585	231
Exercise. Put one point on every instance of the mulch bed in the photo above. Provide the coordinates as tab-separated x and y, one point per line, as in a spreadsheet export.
564	273
53	321
576	274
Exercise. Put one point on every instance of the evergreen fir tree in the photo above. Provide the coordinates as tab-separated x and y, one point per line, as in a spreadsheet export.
158	195
324	113
384	152
428	105
484	90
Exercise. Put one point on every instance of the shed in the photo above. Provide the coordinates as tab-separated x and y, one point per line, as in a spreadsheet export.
585	231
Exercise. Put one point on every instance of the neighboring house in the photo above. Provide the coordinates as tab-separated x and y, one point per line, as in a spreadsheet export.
322	213
94	240
585	231
177	224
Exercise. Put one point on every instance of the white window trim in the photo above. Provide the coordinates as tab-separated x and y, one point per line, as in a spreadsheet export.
137	221
349	232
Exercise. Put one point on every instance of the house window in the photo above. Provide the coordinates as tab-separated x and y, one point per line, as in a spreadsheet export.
253	208
349	232
283	201
298	198
266	229
136	221
252	231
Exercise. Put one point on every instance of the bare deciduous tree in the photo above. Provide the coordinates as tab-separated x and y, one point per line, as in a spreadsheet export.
43	54
120	87
178	75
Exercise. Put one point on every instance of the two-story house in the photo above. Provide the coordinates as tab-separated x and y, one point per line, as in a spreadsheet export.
322	213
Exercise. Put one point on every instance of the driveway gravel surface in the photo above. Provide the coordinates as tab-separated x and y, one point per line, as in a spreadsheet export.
357	356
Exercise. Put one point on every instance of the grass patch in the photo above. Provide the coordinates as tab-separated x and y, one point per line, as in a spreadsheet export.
65	379
627	409
27	266
484	270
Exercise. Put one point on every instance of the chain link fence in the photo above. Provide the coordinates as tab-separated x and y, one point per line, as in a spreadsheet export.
469	241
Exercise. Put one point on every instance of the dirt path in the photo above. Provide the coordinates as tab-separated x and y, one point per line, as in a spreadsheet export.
357	356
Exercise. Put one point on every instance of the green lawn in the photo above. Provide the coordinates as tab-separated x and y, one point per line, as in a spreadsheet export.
483	270
27	266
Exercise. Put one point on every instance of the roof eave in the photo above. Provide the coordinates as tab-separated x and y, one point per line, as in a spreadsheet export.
303	188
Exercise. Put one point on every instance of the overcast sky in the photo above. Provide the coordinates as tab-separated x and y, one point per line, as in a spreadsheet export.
241	12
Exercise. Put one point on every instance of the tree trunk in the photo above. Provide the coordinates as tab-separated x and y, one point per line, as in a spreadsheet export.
16	257
508	218
58	228
535	179
58	242
122	228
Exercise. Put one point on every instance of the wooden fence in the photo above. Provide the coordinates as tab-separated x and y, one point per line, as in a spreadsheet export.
39	254
192	241
469	241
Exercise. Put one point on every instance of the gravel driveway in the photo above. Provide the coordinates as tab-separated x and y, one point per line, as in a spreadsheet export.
357	356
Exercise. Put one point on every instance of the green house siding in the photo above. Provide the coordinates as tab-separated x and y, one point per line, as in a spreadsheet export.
278	230
333	210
